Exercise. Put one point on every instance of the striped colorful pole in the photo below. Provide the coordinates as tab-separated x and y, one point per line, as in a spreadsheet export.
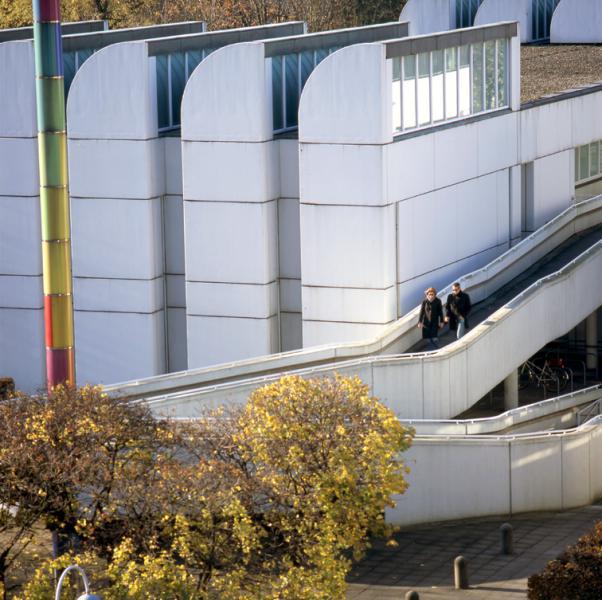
54	194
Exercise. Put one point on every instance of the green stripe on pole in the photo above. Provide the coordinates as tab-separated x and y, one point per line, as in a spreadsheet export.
51	103
53	159
47	42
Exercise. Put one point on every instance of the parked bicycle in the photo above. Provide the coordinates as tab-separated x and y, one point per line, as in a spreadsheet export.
553	375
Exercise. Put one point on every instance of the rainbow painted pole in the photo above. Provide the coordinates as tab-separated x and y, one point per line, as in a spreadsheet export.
54	194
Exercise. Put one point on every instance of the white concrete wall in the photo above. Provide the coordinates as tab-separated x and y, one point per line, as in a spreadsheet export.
428	16
240	212
455	478
173	234
117	177
496	11
21	297
577	22
402	334
442	384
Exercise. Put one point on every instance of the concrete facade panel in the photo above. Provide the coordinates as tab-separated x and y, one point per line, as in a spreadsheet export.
224	339
230	172
536	475
176	339
113	95
118	295
428	17
19	175
577	22
116	230
17	108
365	236
226	98
545	130
173	165
102	168
290	295
289	238
116	354
576	457
352	85
343	174
553	186
21	291
20	230
318	333
223	300
22	347
290	331
350	305
456	154
496	11
173	228
230	242
289	168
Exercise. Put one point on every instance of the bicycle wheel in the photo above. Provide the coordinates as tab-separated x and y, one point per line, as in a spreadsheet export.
558	380
524	377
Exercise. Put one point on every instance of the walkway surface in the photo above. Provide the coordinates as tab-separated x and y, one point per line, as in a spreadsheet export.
423	560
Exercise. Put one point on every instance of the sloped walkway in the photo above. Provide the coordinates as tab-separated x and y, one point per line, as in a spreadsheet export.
423	560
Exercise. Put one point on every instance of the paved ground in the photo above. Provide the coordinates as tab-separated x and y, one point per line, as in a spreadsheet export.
423	560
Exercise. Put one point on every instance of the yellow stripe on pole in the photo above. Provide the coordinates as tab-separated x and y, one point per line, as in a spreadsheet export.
56	259
54	203
61	309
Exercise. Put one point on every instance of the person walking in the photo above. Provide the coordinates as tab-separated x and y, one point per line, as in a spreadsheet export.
431	317
457	309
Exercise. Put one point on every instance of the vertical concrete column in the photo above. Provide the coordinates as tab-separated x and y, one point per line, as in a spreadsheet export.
348	250
117	168
231	188
591	340
21	294
511	391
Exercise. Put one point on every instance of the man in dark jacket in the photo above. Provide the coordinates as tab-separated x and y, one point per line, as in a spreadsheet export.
457	309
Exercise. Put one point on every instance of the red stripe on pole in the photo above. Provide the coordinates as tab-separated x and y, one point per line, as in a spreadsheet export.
50	10
48	321
60	367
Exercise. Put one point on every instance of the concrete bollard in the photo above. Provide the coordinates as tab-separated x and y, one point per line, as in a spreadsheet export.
460	573
506	533
412	595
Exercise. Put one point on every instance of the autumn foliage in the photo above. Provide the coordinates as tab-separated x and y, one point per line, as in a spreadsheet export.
219	14
575	575
270	500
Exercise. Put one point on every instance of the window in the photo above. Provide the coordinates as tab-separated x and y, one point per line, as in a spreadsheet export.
432	87
173	71
72	61
290	72
588	162
466	11
541	18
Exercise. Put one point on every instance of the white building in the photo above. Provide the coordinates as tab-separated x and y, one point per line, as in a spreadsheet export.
233	225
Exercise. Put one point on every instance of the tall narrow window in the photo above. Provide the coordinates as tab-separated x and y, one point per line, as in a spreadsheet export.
490	76
424	89
163	92
277	89
464	81
451	83
178	81
584	162
409	91
292	89
396	93
437	86
307	66
477	78
594	159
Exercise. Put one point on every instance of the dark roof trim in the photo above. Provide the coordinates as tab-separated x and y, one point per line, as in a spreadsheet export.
337	37
26	33
217	39
450	39
106	38
566	95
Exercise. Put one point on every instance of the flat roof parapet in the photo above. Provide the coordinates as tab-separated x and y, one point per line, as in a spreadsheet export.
105	38
225	37
26	33
450	39
336	37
